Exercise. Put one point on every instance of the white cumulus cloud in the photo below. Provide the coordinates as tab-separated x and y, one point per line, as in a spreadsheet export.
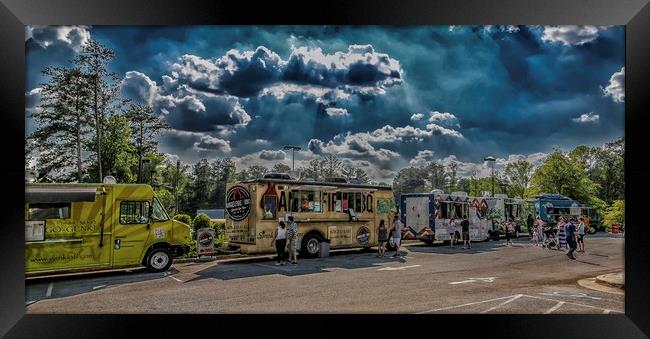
587	117
570	35
616	87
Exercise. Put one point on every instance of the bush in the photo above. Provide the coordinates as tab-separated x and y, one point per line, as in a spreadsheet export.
184	218
615	214
219	227
200	221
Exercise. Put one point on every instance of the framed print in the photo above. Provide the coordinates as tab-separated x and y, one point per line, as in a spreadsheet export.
503	142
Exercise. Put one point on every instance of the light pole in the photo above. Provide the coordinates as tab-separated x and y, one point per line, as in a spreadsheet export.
492	160
293	148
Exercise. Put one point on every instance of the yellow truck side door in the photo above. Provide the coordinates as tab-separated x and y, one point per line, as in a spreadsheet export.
131	232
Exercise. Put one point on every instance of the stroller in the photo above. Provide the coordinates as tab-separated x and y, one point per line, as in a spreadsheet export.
551	240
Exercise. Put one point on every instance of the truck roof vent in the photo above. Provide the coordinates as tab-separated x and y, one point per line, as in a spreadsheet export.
277	176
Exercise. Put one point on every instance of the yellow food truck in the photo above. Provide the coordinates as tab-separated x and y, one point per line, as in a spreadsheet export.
81	227
343	214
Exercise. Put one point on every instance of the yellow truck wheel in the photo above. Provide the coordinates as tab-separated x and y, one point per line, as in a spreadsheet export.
159	260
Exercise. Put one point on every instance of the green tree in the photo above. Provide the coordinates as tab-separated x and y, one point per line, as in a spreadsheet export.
202	185
63	125
314	170
253	172
146	126
452	179
436	175
223	171
356	175
561	175
409	180
518	176
119	154
103	85
281	168
331	165
615	214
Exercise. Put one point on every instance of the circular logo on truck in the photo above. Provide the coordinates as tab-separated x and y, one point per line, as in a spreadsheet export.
238	203
363	235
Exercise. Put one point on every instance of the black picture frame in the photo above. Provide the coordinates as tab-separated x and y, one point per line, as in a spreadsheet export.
634	14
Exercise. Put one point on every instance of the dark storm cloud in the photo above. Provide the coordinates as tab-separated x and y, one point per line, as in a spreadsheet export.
272	155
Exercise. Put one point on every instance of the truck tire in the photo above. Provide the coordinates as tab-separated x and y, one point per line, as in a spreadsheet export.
310	246
159	260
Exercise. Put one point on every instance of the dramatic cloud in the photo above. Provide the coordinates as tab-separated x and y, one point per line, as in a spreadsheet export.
73	37
444	119
208	143
570	35
360	70
272	155
587	117
616	87
335	111
185	108
422	158
139	88
417	116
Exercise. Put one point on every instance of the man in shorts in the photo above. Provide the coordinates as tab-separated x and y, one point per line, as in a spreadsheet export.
292	236
452	231
465	229
396	235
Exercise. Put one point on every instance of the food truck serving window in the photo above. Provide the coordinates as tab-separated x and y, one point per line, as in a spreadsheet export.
270	206
42	211
306	201
134	212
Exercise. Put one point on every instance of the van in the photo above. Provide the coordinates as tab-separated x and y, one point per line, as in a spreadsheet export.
84	227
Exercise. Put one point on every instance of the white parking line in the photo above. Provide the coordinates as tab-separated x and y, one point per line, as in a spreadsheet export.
570	303
49	289
503	303
397	268
173	277
468	304
606	311
98	287
554	308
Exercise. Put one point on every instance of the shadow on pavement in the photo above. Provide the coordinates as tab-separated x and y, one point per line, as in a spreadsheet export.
477	247
59	287
346	261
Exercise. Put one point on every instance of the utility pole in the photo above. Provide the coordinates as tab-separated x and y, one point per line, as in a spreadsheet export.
491	160
178	165
293	148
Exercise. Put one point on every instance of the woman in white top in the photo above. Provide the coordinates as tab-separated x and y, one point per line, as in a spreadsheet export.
452	231
280	240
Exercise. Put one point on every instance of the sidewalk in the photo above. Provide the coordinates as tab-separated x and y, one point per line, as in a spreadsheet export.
609	283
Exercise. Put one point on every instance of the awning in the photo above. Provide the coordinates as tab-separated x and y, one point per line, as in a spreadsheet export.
356	190
312	188
36	195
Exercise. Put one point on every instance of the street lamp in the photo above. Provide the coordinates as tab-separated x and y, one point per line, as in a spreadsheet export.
293	148
492	160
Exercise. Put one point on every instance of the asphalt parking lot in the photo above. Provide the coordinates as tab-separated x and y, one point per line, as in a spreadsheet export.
488	278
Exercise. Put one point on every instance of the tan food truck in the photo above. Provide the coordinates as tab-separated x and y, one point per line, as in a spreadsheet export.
342	213
81	227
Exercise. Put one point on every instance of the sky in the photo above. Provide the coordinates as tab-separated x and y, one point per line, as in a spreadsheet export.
380	97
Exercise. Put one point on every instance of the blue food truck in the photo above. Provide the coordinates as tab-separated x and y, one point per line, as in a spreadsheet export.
550	207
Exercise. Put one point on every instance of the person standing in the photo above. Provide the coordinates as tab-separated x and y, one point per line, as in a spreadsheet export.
570	232
280	241
529	222
465	229
452	231
382	237
539	226
561	233
292	238
581	236
509	231
396	235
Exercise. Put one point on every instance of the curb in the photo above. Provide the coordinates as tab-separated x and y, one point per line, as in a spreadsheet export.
616	280
591	284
